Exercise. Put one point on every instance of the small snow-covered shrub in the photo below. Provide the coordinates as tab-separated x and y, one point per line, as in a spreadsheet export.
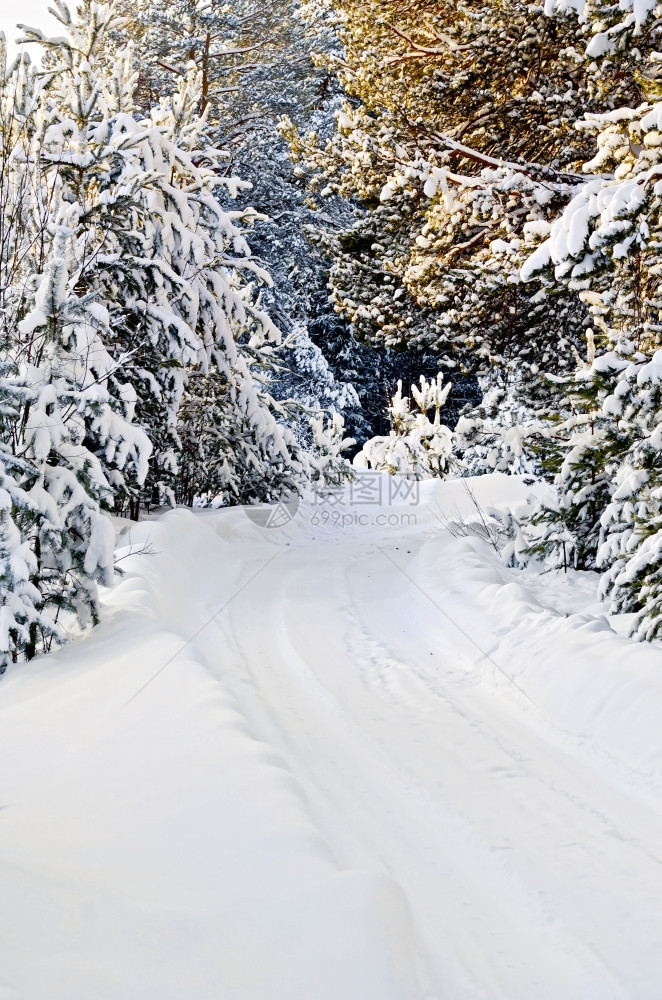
417	446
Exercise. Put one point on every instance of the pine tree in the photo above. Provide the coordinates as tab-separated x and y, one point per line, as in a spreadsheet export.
417	447
605	249
582	450
631	525
451	147
171	263
125	284
20	620
252	59
65	413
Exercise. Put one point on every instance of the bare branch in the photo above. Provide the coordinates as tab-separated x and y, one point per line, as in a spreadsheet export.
423	51
170	69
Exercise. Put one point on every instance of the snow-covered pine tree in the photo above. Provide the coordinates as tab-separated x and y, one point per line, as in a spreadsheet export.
20	191
605	249
260	61
631	526
253	61
19	618
417	446
239	445
459	137
78	434
582	450
66	429
607	511
122	278
169	261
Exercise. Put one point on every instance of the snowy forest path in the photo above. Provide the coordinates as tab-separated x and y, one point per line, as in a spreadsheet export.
354	756
531	868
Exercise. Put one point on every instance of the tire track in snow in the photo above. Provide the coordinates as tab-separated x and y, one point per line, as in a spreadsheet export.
441	783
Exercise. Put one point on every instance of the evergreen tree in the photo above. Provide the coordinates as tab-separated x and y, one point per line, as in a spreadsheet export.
20	620
583	451
266	51
455	157
417	447
127	291
169	260
631	525
77	432
605	249
252	59
66	414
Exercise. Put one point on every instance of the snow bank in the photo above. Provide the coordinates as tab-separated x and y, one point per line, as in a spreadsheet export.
575	670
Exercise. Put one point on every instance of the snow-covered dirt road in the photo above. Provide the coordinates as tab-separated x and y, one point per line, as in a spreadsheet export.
351	757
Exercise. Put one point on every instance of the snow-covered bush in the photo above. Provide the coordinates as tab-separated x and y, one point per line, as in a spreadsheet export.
417	446
331	442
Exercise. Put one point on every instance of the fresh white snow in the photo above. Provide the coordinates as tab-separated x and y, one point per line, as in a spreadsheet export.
353	757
